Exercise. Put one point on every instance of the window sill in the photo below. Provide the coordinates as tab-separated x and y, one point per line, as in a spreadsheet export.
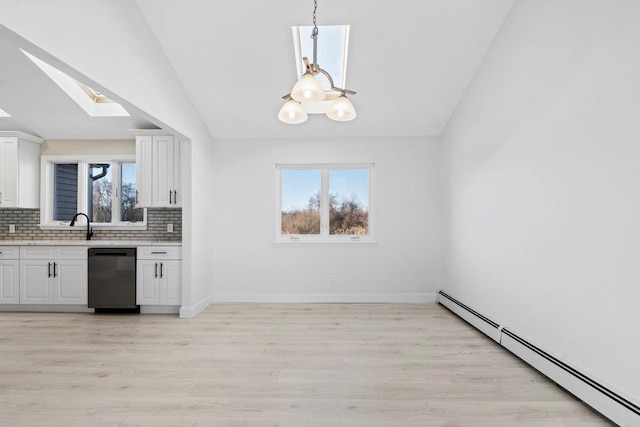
137	227
323	241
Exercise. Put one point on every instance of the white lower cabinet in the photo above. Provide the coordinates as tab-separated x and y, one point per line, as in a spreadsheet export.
159	273
36	282
70	282
53	275
9	275
9	282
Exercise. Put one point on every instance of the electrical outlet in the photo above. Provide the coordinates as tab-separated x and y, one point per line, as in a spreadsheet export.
12	228
332	279
169	228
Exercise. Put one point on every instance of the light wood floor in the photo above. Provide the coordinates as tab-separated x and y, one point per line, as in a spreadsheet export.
342	365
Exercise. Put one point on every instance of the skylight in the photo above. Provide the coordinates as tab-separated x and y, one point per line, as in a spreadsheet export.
4	113
333	44
91	101
93	94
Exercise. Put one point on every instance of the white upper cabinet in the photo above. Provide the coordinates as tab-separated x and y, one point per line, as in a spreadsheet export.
163	147
144	177
19	170
158	171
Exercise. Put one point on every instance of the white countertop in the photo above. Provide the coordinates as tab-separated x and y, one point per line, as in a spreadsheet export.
89	243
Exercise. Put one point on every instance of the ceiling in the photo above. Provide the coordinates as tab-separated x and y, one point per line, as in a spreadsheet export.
410	62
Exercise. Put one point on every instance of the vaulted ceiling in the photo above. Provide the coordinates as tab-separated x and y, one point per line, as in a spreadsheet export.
410	62
40	107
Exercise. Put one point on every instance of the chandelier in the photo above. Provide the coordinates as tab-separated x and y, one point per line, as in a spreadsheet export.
309	89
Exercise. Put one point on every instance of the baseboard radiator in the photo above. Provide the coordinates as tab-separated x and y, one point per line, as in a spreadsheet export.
609	403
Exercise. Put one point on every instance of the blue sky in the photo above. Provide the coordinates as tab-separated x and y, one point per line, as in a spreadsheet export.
299	185
128	172
330	51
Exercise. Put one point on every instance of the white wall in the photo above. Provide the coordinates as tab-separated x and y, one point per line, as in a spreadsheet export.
543	171
403	266
108	45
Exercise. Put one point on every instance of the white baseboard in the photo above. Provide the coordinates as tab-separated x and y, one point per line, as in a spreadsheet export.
47	308
327	298
191	311
159	309
485	325
610	403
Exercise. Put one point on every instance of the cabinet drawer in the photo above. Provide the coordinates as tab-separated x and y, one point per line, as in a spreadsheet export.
36	252
9	252
159	252
70	252
53	252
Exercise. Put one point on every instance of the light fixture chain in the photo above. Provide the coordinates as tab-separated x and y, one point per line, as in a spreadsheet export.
314	36
315	7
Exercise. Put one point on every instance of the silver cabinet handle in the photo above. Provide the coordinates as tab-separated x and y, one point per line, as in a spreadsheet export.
161	270
49	268
54	270
156	270
158	253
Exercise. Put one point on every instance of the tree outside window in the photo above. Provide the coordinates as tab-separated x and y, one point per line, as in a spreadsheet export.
104	190
327	201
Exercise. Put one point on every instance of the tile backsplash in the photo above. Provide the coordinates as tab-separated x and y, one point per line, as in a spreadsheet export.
27	220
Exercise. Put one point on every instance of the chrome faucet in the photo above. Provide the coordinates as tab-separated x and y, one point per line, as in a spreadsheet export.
89	229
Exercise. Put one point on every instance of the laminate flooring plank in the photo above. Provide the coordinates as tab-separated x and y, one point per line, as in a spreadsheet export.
267	365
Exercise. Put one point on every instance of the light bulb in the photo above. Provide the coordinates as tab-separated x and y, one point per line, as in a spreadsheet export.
341	109
292	113
307	89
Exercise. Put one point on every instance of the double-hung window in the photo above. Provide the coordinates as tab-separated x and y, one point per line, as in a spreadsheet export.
104	188
325	203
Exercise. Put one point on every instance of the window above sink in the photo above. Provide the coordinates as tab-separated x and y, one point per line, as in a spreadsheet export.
103	187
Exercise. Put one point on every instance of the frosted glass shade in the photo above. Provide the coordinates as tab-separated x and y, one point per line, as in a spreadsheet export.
341	110
307	89
292	113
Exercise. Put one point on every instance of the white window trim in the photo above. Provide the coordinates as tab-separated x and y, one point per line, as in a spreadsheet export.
324	237
47	191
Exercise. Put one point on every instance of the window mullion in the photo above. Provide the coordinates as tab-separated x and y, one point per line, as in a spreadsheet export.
324	203
83	188
115	196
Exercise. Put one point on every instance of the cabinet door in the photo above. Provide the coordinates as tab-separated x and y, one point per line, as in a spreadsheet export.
9	282
36	282
144	175
8	172
70	281
170	280
177	170
163	152
147	283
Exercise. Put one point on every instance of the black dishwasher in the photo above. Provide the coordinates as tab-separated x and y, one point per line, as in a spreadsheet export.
112	279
